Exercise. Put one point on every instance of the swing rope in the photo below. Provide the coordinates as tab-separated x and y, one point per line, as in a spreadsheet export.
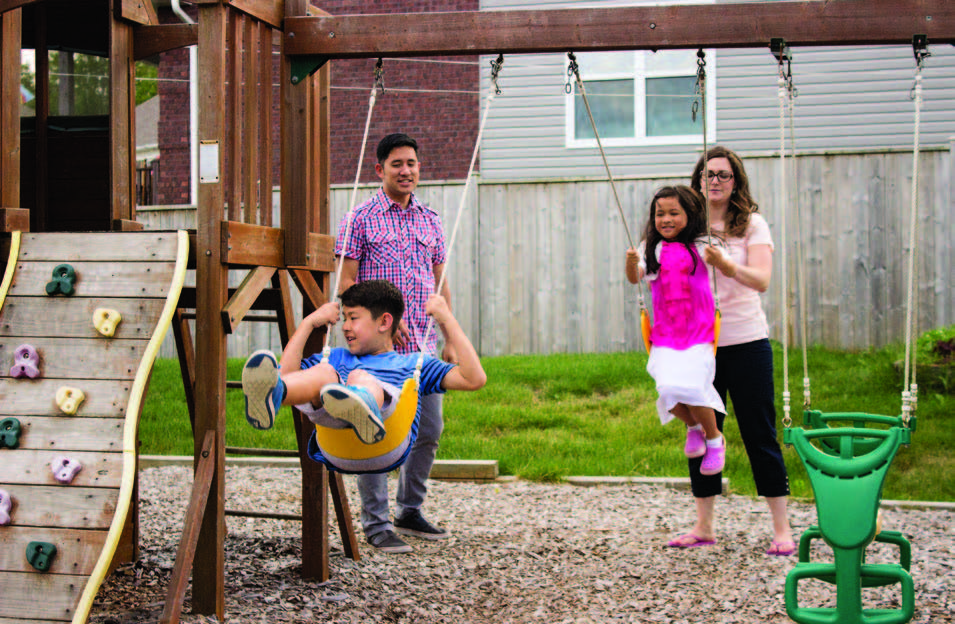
783	197
705	175
574	70
800	257
378	85
495	90
909	387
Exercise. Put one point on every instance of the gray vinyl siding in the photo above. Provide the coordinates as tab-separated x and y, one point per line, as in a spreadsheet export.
850	99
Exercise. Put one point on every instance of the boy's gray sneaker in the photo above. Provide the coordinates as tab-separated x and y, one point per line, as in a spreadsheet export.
263	389
355	406
413	523
388	542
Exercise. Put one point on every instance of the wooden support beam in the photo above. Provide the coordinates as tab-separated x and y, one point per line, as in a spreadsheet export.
10	35
343	513
304	155
7	5
245	295
311	291
14	219
187	361
256	245
267	11
122	129
151	40
719	25
208	573
205	469
138	11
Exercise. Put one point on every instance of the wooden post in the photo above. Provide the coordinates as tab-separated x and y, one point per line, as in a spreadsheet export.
208	573
122	127
10	29
295	166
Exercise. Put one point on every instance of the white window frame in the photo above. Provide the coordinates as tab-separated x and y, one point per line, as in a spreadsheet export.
639	77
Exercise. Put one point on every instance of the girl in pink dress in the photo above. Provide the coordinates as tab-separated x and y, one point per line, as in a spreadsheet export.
682	361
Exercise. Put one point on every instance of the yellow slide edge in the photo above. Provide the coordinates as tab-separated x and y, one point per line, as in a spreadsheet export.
11	266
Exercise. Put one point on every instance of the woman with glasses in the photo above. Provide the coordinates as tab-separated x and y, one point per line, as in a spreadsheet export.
744	359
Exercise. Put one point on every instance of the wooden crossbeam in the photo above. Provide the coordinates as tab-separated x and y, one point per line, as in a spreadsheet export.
738	25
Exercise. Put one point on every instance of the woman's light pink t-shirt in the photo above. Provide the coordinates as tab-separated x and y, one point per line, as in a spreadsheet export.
743	318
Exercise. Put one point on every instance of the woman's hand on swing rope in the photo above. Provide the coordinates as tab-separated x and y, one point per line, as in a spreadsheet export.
716	257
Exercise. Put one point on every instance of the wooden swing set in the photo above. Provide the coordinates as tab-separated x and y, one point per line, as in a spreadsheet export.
235	39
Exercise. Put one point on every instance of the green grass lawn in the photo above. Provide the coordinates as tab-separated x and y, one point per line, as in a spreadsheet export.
548	417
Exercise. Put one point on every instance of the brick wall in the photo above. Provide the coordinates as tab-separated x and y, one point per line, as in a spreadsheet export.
433	99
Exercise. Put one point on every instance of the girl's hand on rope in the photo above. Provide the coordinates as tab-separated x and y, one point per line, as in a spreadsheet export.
403	336
717	257
633	270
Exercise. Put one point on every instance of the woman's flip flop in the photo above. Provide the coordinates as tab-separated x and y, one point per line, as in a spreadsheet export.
781	549
689	540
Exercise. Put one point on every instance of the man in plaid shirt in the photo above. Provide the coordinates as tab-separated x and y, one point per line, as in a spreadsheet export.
395	237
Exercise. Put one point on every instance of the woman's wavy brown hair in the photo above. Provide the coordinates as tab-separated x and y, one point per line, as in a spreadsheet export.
741	202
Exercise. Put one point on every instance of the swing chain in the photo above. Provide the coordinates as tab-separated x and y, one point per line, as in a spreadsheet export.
380	76
495	70
700	81
572	71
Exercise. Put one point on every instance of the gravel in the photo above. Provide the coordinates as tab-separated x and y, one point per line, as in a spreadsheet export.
520	552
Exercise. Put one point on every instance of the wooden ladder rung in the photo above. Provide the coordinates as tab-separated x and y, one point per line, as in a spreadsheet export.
260	452
262	514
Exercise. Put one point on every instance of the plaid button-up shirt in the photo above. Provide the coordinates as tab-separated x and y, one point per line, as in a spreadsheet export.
401	245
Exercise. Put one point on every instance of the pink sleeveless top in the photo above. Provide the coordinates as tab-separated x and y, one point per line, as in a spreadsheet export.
683	309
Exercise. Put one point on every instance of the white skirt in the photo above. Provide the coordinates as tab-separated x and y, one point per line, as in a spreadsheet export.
684	377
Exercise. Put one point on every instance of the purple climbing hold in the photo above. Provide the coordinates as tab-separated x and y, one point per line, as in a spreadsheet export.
26	362
65	468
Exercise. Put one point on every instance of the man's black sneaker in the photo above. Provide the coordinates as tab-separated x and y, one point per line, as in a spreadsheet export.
413	523
388	542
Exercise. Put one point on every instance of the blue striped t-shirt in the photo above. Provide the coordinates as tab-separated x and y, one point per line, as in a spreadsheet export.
391	367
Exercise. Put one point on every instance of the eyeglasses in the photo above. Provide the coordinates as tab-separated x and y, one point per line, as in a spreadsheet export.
724	176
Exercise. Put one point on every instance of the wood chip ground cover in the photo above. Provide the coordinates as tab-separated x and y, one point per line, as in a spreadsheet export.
520	553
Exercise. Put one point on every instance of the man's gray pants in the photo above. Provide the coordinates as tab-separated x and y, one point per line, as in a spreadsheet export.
412	477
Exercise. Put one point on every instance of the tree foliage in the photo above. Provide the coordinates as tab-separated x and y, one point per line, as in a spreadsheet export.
90	83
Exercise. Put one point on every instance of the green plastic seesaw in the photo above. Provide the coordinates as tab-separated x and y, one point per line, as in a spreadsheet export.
847	485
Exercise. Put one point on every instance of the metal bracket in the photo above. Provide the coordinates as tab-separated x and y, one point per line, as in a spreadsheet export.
920	48
780	50
304	66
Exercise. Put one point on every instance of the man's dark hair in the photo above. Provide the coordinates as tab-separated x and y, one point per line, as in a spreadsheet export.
392	141
378	297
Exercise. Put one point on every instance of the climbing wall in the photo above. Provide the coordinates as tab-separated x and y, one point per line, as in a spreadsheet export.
81	318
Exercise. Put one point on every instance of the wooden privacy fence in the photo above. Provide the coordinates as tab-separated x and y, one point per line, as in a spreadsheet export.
538	267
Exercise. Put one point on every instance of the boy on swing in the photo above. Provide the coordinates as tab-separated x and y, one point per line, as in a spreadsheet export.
359	386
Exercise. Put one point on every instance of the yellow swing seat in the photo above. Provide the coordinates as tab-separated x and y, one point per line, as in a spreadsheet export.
342	451
646	327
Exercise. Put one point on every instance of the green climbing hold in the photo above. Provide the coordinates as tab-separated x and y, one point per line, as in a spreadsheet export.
64	277
9	433
40	555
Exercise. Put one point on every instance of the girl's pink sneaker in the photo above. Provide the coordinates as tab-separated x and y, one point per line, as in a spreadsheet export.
714	459
695	443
